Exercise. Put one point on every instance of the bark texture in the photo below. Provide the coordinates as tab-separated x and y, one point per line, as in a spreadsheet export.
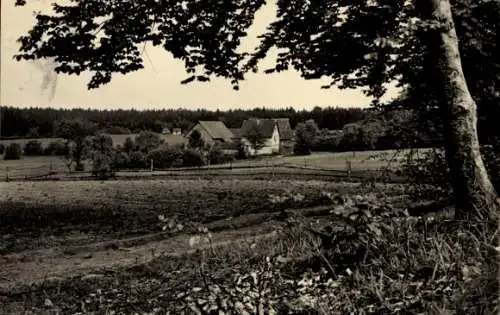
475	196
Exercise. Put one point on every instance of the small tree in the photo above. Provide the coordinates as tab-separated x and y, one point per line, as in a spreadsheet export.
75	132
99	149
128	145
255	137
165	156
120	160
137	160
33	148
302	143
13	152
147	141
2	148
305	136
195	140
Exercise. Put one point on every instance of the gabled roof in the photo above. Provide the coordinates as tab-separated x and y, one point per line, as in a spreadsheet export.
266	126
284	128
236	132
216	129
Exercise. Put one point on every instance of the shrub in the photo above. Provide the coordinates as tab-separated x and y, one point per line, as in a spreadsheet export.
120	160
58	148
217	156
165	156
327	141
192	158
33	148
147	141
13	152
128	145
430	168
2	148
137	160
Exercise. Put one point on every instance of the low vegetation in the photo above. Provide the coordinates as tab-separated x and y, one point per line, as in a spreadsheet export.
368	257
12	152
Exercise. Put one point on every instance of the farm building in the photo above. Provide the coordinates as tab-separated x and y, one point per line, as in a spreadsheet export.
286	135
236	133
213	132
276	133
177	131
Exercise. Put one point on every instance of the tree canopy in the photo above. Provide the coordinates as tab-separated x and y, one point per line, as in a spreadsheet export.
353	43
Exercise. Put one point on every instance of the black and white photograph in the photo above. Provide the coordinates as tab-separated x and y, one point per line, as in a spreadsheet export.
250	157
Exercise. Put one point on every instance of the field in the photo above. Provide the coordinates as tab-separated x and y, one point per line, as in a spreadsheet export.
156	246
359	162
50	224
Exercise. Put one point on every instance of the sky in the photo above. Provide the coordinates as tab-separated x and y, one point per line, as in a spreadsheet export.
157	86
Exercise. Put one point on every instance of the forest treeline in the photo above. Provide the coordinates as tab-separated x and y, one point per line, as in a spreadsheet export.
39	122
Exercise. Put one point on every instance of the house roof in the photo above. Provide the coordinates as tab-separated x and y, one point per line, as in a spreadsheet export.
266	126
236	132
216	129
284	128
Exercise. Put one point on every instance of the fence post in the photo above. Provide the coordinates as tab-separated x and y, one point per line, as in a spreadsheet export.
152	167
349	169
7	173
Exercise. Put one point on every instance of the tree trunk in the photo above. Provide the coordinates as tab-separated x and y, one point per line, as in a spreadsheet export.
475	196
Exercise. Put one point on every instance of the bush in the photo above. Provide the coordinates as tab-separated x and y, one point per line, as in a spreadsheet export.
13	152
326	142
165	156
2	148
217	156
192	158
58	148
137	160
120	160
33	148
128	145
430	168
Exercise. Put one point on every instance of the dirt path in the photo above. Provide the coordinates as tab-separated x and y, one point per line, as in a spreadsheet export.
55	263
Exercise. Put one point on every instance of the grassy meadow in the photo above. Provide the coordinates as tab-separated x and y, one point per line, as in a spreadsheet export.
373	161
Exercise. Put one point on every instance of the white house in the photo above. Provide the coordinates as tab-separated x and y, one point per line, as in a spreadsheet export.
267	129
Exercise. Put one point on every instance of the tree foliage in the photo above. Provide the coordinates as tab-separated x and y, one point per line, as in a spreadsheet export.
255	137
13	152
33	148
100	151
195	140
352	43
75	131
147	141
